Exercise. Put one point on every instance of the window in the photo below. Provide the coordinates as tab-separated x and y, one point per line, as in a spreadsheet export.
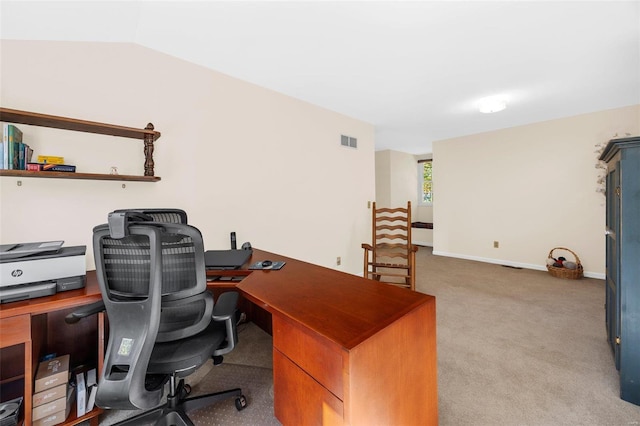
425	182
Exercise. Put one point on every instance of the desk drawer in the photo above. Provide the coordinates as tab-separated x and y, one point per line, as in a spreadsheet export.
301	400
15	330
318	356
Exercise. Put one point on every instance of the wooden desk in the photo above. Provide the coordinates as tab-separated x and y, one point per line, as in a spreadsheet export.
32	328
346	350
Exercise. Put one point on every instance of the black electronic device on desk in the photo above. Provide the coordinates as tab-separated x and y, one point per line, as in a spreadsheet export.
226	259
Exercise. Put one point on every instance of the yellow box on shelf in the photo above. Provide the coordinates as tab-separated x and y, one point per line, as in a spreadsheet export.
50	159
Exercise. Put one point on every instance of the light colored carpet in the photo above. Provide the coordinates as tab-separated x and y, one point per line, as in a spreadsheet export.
520	347
257	386
249	367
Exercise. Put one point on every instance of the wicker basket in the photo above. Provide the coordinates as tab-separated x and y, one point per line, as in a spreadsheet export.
570	274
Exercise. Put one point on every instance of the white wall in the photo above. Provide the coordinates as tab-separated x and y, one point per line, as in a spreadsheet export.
383	177
397	183
235	156
532	188
396	177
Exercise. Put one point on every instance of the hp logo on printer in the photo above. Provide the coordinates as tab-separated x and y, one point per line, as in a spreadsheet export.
16	273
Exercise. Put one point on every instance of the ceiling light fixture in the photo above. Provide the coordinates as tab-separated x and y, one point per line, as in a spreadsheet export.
492	104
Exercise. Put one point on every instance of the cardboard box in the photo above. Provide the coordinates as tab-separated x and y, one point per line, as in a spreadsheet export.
49	408
49	395
53	419
52	373
60	416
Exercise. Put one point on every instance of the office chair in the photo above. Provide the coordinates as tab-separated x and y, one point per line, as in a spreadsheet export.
391	255
155	215
163	323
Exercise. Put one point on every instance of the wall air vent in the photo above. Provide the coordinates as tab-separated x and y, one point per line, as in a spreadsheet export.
348	141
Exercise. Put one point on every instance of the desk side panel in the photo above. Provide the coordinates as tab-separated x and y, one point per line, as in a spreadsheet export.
15	330
393	374
299	399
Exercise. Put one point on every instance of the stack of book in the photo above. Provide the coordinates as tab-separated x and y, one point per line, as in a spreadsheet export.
17	155
53	397
50	163
14	154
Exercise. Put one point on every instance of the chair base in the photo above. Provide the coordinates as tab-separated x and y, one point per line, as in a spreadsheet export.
174	411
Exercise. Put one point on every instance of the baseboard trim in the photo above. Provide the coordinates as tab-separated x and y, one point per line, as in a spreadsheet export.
422	243
587	274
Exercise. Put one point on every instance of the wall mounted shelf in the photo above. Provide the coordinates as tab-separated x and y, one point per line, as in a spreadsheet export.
148	135
89	176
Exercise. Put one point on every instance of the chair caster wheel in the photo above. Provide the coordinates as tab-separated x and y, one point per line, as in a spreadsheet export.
241	403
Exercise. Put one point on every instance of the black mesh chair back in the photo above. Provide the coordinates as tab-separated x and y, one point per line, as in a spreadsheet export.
161	214
157	269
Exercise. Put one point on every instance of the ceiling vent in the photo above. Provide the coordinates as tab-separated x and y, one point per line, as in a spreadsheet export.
348	141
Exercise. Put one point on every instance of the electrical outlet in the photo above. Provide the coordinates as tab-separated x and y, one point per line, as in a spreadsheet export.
338	260
368	204
496	244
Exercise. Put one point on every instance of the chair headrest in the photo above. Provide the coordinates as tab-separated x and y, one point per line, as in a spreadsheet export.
119	222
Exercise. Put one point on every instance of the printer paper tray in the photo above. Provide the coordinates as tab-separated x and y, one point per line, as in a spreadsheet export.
26	291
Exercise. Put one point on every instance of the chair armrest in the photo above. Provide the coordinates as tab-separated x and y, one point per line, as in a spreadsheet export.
225	306
84	311
224	311
367	246
414	247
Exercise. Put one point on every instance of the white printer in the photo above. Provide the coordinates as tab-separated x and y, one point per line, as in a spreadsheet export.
40	269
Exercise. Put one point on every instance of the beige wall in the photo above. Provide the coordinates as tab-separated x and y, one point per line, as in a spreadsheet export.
397	183
235	156
532	188
396	177
383	177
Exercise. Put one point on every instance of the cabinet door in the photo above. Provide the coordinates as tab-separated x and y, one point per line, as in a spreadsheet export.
612	297
629	273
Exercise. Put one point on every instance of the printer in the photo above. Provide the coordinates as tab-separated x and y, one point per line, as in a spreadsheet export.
40	269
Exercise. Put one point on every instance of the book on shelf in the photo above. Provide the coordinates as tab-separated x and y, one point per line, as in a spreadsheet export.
22	165
11	140
28	155
24	156
81	396
39	167
50	159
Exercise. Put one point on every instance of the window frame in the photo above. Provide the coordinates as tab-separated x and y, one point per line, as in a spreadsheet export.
420	168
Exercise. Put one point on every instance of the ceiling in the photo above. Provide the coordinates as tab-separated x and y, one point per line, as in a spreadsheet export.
415	70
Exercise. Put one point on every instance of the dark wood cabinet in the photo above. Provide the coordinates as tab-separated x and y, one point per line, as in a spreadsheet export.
622	304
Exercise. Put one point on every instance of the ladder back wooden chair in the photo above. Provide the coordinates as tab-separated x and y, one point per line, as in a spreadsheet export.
391	256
